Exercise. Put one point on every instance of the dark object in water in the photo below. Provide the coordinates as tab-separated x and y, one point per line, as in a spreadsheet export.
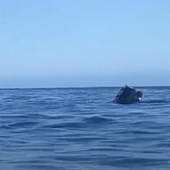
128	95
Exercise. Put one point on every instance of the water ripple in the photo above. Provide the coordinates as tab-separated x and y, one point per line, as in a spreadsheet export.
79	129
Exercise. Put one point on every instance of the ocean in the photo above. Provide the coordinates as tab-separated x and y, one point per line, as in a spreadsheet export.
82	129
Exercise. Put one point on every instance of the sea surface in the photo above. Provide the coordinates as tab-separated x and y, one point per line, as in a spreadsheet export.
82	129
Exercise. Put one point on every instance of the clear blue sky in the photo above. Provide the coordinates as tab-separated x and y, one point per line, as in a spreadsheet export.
62	43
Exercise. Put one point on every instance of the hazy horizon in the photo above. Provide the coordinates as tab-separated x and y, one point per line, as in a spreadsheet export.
78	43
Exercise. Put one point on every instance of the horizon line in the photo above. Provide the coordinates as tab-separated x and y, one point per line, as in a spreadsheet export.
78	87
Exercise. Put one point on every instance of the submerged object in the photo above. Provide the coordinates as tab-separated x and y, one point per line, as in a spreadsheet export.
128	95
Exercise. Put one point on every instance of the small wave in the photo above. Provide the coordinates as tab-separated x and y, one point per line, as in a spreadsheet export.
83	139
5	127
155	101
66	125
96	120
41	116
22	124
138	132
135	162
37	166
80	124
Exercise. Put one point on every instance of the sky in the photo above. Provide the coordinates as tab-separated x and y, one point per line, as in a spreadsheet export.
84	43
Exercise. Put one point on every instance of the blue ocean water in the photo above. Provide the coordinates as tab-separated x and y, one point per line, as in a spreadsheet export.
81	129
